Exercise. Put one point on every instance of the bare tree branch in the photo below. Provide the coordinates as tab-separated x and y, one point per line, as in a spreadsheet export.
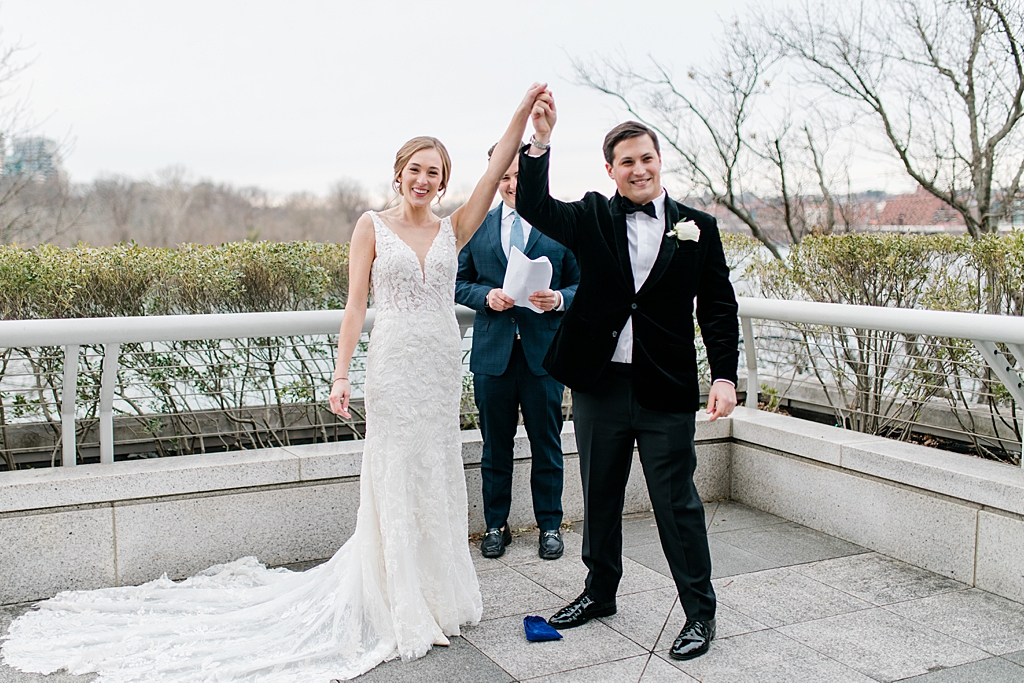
953	64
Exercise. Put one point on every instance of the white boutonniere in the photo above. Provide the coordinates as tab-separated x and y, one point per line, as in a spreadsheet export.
685	230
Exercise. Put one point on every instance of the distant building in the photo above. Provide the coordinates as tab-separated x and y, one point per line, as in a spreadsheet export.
36	157
1012	219
922	209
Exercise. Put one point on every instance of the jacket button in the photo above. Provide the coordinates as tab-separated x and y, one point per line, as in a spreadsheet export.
615	334
513	319
633	306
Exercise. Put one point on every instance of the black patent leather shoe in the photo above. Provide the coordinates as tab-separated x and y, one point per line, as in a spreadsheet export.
495	541
580	611
551	546
694	640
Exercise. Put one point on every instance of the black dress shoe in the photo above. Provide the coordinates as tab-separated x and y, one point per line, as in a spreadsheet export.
694	640
551	546
580	611
495	541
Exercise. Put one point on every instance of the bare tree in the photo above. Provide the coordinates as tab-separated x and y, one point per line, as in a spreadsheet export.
175	195
348	199
33	207
732	132
172	209
942	79
706	123
118	195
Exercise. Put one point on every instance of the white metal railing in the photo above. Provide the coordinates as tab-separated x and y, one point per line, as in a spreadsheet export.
111	333
985	332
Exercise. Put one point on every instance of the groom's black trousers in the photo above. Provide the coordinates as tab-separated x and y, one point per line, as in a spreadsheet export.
608	421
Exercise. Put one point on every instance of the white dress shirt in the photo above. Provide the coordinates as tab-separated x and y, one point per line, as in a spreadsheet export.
506	228
644	235
507	216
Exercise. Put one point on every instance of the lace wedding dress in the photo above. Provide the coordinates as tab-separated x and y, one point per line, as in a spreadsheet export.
403	579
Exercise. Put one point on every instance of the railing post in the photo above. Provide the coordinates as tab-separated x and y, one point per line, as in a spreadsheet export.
68	396
753	384
1004	371
108	381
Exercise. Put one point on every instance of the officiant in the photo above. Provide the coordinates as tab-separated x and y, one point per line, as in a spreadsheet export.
509	344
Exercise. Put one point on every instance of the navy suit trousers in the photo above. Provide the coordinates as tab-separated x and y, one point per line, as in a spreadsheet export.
499	399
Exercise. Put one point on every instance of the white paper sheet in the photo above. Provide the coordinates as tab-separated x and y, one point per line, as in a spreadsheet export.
524	276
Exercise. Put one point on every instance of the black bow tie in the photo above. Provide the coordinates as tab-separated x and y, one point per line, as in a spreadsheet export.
628	206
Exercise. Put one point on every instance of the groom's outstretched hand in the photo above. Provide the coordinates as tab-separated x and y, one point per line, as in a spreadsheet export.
721	400
543	117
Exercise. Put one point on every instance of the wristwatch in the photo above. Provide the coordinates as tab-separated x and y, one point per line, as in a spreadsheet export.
539	145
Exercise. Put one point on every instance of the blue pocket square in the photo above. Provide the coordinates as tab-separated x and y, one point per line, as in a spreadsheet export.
537	629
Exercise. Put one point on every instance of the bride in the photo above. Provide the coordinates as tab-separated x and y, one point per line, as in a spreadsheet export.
404	581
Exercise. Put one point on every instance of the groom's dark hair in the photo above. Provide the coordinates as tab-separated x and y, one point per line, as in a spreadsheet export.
625	131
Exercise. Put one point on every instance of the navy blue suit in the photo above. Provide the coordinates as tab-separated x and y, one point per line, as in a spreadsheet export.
508	372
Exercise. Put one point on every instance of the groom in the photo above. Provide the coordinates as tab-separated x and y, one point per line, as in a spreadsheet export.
626	350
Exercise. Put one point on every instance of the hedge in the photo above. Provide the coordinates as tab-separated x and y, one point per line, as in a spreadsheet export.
130	280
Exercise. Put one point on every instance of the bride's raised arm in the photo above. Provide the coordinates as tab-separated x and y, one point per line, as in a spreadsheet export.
468	217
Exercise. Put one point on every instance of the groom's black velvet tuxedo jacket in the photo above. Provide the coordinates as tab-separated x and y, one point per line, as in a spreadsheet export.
664	357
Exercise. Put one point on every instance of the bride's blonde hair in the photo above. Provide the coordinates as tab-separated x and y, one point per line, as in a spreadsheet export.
415	145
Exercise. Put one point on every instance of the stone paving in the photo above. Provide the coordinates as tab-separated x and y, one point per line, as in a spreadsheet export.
795	605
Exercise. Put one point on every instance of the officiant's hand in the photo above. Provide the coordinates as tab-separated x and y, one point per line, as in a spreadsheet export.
721	400
497	301
545	300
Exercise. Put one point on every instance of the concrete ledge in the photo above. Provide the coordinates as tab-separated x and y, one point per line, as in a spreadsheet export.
44	554
99	525
980	481
128	522
806	439
923	530
1000	563
91	484
952	514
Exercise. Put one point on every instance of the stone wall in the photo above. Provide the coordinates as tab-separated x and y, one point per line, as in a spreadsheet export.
955	515
124	523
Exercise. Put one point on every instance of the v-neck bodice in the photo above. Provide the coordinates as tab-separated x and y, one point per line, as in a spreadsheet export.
402	283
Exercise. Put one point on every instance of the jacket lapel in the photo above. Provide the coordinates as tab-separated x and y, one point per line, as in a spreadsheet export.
668	246
534	236
621	240
492	224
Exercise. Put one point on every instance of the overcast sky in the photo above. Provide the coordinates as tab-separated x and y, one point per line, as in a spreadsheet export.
293	96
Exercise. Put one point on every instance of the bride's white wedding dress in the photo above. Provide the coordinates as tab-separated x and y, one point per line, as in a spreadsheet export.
401	582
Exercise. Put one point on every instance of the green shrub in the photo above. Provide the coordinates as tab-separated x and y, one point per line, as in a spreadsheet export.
129	280
879	382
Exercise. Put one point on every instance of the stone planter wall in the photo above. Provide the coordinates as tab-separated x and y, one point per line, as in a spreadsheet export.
124	523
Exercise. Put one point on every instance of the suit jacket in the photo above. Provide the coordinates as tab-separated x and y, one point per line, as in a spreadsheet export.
664	357
482	264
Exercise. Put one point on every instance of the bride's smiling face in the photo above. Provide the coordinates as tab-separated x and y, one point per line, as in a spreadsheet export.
421	177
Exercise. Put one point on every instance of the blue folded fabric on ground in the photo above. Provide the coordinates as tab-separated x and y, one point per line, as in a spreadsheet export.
537	629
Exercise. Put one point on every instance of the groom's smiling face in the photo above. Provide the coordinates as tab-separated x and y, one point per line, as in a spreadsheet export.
636	169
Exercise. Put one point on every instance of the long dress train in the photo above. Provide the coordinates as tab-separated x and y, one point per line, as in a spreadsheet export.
403	579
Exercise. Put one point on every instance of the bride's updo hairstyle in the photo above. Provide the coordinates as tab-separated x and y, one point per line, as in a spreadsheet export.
415	145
